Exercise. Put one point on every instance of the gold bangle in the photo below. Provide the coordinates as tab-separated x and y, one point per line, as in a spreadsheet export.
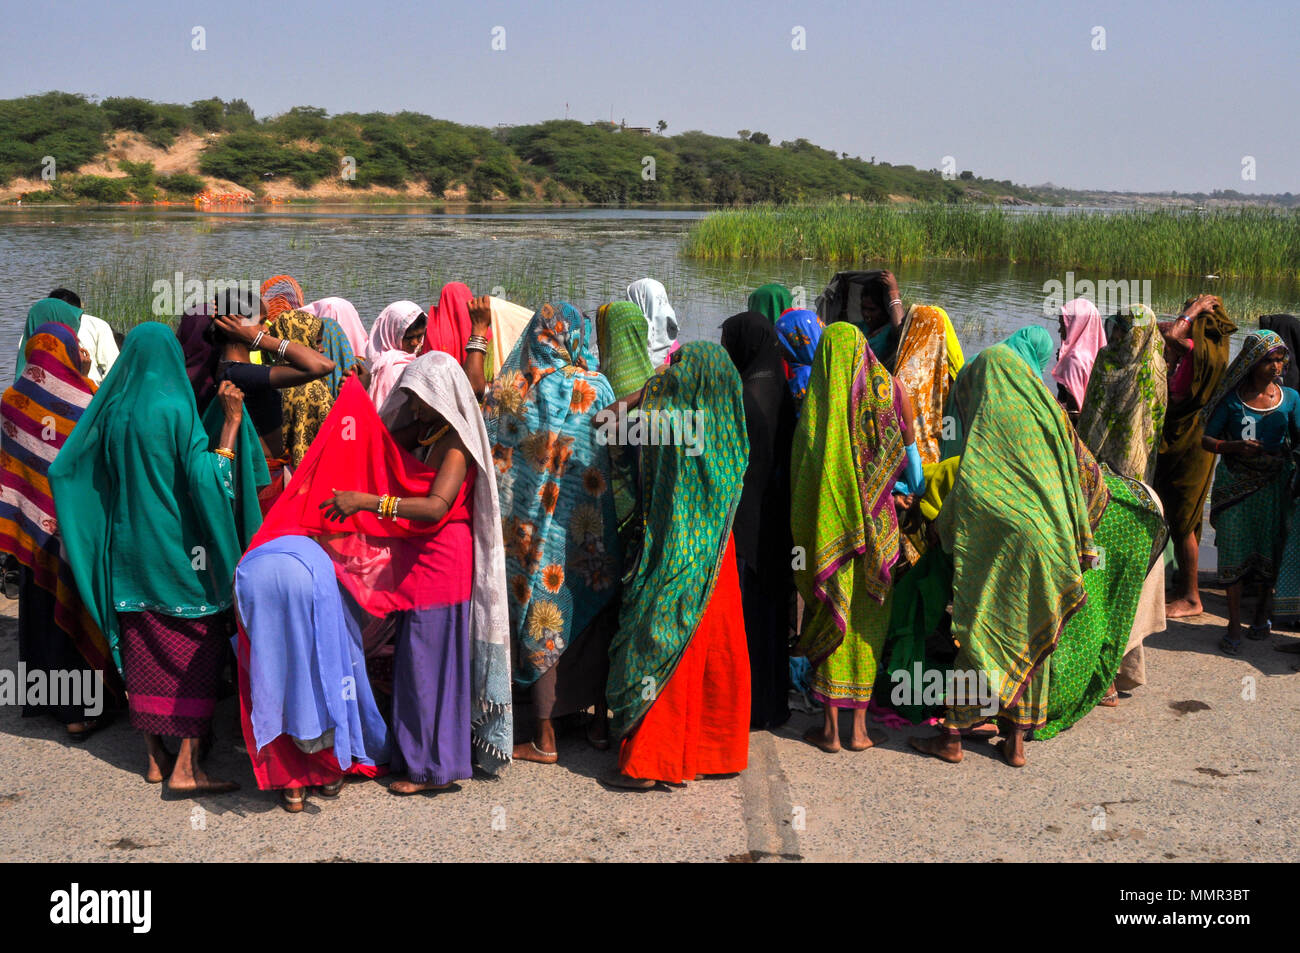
224	452
383	506
392	510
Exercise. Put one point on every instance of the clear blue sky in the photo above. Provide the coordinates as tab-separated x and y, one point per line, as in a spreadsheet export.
1182	92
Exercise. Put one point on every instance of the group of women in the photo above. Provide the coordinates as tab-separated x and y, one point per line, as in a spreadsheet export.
392	538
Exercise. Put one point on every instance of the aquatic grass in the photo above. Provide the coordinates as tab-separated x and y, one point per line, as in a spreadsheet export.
1249	242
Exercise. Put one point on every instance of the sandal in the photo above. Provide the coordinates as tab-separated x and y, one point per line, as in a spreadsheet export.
91	725
1260	632
293	803
1230	646
1110	699
331	790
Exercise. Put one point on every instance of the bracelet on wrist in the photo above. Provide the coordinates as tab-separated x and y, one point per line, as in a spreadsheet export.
225	452
258	340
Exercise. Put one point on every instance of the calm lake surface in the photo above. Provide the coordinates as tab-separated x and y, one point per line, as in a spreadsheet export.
373	256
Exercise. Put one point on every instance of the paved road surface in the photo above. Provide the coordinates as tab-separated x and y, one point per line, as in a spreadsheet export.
1214	784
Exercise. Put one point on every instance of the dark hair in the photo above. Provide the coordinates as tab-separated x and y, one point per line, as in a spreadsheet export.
63	294
232	301
419	324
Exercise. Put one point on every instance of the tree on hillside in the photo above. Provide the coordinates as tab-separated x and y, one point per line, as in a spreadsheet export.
761	139
661	126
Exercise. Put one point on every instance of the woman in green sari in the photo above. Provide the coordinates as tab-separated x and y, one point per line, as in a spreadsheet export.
1016	523
623	341
849	447
156	507
770	300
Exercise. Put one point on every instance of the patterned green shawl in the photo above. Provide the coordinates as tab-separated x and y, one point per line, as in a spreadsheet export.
848	448
770	300
688	502
1016	523
1124	406
624	343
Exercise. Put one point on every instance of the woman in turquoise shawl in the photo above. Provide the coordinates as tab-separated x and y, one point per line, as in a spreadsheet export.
154	522
335	345
45	311
557	514
1033	344
679	663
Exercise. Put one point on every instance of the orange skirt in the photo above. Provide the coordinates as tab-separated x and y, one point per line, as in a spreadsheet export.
699	724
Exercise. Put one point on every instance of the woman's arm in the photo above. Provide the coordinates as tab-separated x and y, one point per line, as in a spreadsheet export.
895	300
430	509
305	364
480	324
232	405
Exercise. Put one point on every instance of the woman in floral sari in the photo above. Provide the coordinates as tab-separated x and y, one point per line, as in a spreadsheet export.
558	520
1124	405
40	410
303	408
849	449
679	667
928	359
1017	525
1253	423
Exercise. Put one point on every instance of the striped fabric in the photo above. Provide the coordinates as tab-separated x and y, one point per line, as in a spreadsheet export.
38	413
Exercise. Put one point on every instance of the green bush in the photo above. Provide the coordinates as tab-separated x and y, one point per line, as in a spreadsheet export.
98	188
63	125
182	183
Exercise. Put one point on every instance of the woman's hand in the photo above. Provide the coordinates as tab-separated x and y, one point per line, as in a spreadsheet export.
891	285
345	503
362	372
1201	305
83	358
480	315
1247	448
232	327
232	401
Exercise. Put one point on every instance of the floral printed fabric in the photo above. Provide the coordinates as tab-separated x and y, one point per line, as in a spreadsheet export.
555	486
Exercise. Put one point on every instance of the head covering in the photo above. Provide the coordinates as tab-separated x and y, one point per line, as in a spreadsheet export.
770	300
1184	467
1256	347
1034	345
376	560
305	406
387	359
1287	327
337	347
1123	409
342	311
800	331
751	342
554	476
508	323
449	322
298	645
1016	523
926	365
1085	335
46	311
201	355
140	496
689	491
623	342
281	294
660	317
848	450
39	412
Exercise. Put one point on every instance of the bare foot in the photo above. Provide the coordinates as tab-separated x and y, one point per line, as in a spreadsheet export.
160	766
945	747
403	788
985	732
1111	698
859	740
820	739
199	784
1183	608
528	751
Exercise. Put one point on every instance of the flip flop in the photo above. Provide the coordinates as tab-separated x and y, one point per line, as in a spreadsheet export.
1230	646
331	790
290	803
1258	633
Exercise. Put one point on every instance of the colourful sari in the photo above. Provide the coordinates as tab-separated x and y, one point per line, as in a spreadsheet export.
154	523
336	346
848	451
688	502
1251	505
927	364
342	312
306	406
1184	468
1124	406
45	311
554	478
39	413
386	565
623	342
1016	523
800	331
1131	534
280	295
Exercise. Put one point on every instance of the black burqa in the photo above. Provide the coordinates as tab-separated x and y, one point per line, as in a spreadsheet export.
762	526
1287	327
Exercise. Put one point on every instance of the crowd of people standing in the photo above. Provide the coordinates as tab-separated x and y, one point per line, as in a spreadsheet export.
388	543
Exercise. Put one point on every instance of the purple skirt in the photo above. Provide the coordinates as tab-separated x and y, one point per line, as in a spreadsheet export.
172	668
432	697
